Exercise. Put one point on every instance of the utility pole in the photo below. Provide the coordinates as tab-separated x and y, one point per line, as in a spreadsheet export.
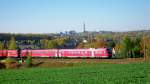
84	27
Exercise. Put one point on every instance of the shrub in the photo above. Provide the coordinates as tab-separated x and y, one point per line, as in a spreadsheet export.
8	62
2	65
29	61
119	55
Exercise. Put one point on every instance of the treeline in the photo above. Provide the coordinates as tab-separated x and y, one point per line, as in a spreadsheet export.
10	45
133	47
99	41
55	43
7	36
129	47
126	45
58	43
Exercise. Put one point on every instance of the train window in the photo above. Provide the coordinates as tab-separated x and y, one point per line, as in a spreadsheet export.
100	52
78	52
96	52
61	51
73	52
82	52
104	52
70	52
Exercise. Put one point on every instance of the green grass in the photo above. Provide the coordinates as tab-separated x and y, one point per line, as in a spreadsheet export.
137	73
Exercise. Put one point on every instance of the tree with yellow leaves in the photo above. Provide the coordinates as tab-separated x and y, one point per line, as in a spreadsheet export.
12	44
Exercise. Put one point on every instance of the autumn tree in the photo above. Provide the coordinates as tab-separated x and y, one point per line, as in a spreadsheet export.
44	43
52	44
110	43
61	41
12	44
129	47
80	45
99	44
49	44
123	47
145	46
136	50
119	50
105	40
1	45
148	47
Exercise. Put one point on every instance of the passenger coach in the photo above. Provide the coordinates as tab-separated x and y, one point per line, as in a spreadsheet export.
66	53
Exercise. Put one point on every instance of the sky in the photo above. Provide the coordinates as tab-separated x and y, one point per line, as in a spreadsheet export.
53	16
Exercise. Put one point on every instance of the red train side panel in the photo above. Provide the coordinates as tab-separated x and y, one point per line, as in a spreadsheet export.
3	53
75	53
24	53
101	53
40	53
8	53
12	53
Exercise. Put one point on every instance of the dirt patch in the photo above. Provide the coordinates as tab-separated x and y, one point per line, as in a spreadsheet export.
2	66
49	62
128	60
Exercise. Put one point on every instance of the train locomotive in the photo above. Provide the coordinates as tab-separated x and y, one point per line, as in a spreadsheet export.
60	53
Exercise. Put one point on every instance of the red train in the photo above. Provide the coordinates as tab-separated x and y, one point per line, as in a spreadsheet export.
67	53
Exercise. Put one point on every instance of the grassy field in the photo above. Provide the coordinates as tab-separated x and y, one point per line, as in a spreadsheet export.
94	73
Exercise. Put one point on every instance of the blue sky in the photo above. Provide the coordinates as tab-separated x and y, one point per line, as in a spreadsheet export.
47	16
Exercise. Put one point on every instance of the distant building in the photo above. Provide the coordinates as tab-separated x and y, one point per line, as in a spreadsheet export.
68	33
85	41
